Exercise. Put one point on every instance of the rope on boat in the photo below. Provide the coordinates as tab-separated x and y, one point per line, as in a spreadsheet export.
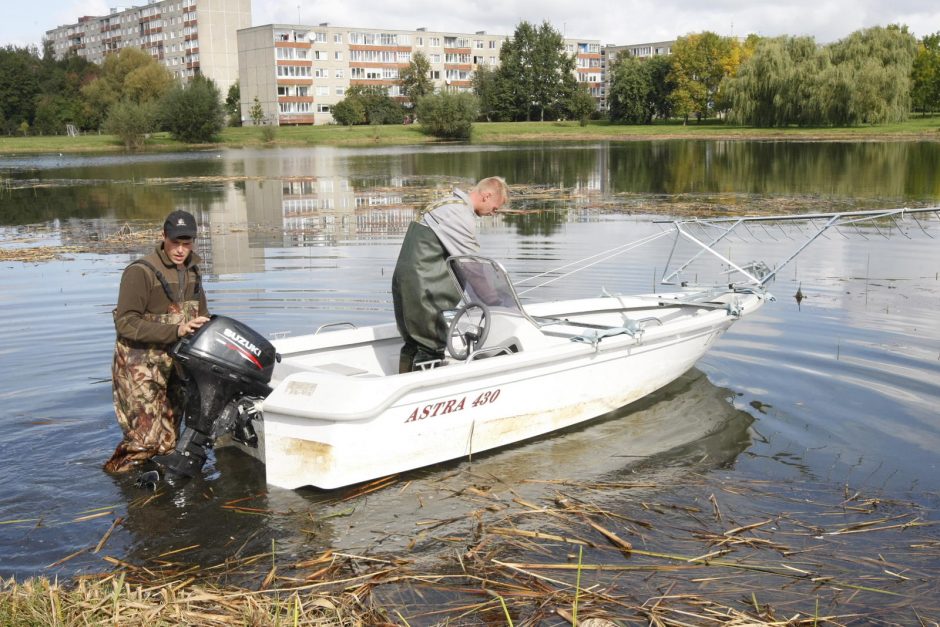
604	255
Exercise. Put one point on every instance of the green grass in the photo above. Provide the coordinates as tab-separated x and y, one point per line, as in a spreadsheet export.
918	128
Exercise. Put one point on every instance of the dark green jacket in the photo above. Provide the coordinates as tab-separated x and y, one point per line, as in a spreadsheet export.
142	292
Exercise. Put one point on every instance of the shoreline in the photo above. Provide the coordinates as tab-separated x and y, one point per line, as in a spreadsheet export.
916	129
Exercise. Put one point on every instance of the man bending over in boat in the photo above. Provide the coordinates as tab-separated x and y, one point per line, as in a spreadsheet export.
421	287
160	300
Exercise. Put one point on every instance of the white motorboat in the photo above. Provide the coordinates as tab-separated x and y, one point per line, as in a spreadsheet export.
331	409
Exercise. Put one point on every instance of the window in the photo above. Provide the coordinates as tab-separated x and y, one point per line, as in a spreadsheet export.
323	90
337	38
321	73
339	74
337	56
492	44
318	37
321	55
323	108
340	91
434	58
419	41
435	75
434	42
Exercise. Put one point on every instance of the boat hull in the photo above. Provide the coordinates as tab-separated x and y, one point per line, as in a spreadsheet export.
464	409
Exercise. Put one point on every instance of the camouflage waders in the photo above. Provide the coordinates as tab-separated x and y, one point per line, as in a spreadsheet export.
148	394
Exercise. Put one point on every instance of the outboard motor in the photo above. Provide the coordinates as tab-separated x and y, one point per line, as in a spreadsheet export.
227	367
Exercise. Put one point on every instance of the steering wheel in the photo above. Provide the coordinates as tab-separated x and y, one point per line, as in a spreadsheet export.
467	330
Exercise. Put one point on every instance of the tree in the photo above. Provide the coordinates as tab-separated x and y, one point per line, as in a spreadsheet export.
875	70
448	115
925	75
630	88
20	73
536	74
193	112
486	86
233	105
699	64
415	79
132	75
131	122
256	113
367	105
349	112
780	84
581	104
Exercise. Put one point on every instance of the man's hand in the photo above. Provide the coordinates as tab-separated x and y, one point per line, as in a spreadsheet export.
186	328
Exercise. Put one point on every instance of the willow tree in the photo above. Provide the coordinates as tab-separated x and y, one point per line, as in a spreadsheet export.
778	84
875	72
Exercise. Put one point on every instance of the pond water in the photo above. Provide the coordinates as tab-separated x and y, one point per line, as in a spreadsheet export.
837	392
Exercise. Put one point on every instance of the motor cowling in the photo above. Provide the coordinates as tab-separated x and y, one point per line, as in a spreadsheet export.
227	367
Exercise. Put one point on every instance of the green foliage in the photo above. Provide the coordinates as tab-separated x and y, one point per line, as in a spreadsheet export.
367	105
19	86
487	87
535	78
863	79
132	122
925	75
630	88
132	75
193	112
416	80
448	115
349	112
700	62
256	113
581	104
233	105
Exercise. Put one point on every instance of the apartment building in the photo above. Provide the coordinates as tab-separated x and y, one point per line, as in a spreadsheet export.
297	73
610	53
189	37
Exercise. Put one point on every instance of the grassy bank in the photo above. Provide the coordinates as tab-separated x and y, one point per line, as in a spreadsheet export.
915	129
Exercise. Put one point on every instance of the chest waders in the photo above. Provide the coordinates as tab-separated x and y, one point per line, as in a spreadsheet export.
422	289
148	395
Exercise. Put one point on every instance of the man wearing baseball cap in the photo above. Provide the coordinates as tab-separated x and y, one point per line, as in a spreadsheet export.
160	300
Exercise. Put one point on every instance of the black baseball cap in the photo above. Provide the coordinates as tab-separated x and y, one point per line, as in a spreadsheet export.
180	224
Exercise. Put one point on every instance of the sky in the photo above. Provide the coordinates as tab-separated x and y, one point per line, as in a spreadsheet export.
611	21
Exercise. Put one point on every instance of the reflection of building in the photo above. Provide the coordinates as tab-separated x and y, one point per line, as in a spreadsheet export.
189	37
297	73
610	53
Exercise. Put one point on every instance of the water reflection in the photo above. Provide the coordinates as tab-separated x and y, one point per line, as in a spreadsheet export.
689	426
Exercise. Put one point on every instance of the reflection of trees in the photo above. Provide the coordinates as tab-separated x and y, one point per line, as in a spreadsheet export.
543	222
875	170
123	202
563	165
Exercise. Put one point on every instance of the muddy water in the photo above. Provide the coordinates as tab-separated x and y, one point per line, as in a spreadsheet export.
802	399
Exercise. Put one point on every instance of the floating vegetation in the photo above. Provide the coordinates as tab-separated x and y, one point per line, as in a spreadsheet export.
747	554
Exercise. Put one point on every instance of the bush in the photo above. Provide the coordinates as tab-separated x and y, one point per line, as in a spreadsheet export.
131	122
349	112
193	113
447	115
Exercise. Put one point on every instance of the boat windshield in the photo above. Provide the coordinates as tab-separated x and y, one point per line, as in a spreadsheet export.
484	280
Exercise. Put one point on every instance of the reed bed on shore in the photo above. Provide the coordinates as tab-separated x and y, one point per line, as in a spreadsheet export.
748	553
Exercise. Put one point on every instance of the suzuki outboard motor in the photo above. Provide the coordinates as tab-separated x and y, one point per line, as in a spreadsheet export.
227	367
